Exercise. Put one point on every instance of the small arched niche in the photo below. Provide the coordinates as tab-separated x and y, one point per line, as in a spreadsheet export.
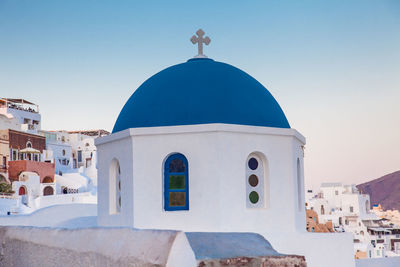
257	181
299	184
47	180
114	187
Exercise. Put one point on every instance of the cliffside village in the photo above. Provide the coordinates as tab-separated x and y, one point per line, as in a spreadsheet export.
343	208
41	168
36	163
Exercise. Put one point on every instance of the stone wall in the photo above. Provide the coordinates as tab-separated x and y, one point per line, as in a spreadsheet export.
270	261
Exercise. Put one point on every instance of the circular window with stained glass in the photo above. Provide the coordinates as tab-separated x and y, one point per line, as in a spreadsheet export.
253	163
253	180
254	197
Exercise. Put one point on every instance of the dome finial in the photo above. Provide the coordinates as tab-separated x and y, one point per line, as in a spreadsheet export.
200	40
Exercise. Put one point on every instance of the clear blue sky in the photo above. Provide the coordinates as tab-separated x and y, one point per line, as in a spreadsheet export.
334	66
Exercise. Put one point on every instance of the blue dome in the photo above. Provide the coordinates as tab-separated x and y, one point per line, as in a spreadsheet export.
201	91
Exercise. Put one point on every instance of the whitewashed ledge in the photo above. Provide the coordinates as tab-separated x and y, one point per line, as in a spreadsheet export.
34	246
31	246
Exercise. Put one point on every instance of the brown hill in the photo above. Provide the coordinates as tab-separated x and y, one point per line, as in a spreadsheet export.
384	191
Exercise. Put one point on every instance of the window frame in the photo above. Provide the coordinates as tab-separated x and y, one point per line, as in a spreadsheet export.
262	188
166	175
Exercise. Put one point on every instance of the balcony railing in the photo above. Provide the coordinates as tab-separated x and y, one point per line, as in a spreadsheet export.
18	107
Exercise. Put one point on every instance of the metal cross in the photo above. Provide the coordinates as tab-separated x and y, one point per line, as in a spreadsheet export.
200	40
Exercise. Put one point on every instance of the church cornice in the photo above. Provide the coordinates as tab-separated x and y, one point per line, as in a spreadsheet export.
201	128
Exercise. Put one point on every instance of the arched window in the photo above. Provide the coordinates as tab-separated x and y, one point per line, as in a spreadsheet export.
29	144
322	210
47	179
176	183
22	191
299	186
115	187
48	190
257	184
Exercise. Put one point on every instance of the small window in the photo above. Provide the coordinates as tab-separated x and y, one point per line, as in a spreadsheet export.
257	184
336	192
351	209
48	190
63	152
176	183
22	191
79	155
28	144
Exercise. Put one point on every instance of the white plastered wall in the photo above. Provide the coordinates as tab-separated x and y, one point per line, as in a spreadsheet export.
216	155
121	150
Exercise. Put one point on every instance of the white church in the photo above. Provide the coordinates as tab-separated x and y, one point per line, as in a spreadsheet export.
202	146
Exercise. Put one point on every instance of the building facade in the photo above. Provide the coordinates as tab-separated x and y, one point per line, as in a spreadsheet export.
348	210
202	146
24	112
25	154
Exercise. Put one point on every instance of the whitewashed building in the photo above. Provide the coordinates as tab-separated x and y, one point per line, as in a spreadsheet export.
349	211
25	113
202	146
83	149
61	151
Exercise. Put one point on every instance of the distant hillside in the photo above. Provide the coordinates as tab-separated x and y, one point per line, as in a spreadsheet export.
384	190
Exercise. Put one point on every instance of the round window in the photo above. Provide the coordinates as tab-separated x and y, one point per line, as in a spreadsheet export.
254	197
253	180
253	163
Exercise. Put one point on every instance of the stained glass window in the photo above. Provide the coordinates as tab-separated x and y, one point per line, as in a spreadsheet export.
177	165
253	180
253	164
176	187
